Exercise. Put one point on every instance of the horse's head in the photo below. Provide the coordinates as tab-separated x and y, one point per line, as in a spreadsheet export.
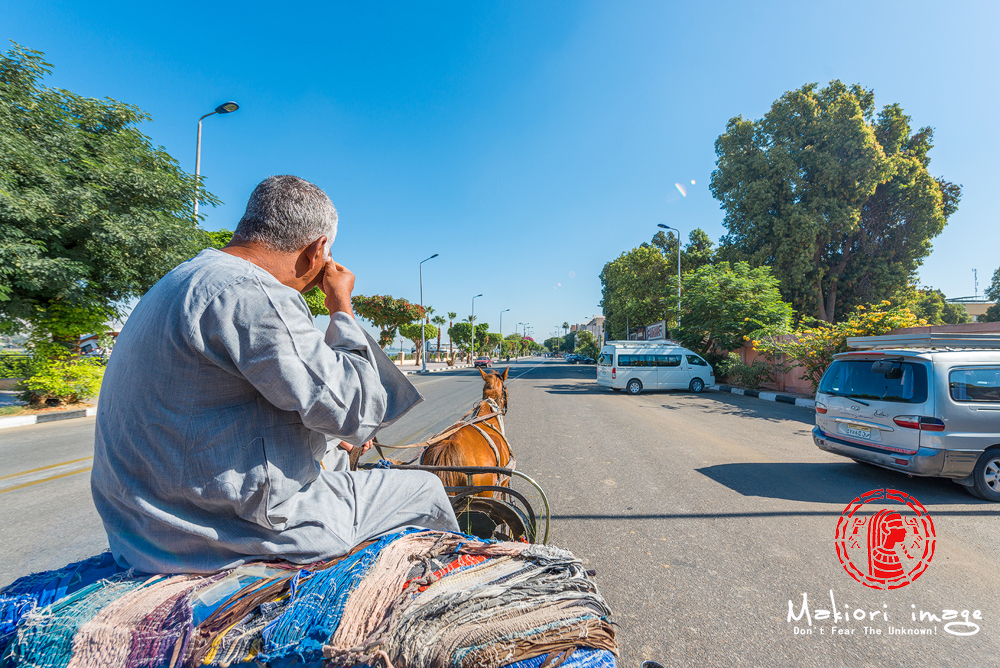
494	388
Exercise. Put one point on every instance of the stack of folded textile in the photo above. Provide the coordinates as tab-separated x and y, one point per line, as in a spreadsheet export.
417	598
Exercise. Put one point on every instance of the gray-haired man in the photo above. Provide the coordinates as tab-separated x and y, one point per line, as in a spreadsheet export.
217	402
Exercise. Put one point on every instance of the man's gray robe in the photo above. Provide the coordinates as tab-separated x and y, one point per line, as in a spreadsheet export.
213	418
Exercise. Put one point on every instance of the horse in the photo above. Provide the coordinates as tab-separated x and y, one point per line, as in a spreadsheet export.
469	441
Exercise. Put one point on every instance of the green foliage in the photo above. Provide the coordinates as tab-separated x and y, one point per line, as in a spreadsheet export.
62	380
813	346
699	251
217	240
14	365
412	332
568	343
724	305
316	301
930	305
992	314
387	313
837	200
488	343
587	344
746	375
553	344
461	335
632	288
92	213
992	292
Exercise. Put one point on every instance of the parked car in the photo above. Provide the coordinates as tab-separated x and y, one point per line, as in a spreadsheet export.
635	366
572	358
583	359
483	360
926	410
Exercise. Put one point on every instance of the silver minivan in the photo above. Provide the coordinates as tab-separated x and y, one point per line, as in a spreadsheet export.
635	366
926	404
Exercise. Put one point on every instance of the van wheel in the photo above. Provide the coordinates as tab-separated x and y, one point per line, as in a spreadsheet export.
697	385
986	476
634	386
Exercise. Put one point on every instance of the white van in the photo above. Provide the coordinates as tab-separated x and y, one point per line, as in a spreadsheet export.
923	404
635	366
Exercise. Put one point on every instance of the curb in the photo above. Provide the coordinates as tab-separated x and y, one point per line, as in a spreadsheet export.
768	396
447	368
24	420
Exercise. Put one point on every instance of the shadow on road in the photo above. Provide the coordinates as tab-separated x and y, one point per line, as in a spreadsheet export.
834	483
750	407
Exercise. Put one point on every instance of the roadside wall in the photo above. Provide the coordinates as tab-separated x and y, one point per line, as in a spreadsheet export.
790	382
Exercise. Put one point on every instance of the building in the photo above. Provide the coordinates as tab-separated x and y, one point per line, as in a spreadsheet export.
595	326
974	306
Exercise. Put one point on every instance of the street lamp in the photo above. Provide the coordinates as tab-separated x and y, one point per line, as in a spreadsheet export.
525	335
501	331
226	108
423	343
667	227
472	321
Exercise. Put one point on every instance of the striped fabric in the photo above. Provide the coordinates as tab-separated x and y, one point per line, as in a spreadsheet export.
417	598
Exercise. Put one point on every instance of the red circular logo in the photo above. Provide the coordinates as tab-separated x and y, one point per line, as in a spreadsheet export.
885	539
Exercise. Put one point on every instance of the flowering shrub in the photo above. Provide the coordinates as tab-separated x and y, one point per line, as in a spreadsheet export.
747	375
815	344
62	380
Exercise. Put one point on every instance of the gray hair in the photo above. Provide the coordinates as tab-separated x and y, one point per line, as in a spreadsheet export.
287	213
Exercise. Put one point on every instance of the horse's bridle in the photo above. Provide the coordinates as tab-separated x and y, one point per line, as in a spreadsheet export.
503	399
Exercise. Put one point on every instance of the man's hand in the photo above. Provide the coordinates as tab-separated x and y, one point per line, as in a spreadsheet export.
344	445
337	284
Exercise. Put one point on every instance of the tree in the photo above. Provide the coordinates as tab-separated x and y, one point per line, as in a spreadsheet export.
553	343
838	201
489	342
568	343
632	288
930	305
723	305
698	252
387	313
92	213
512	344
565	327
587	344
461	334
451	321
412	332
439	321
814	344
992	292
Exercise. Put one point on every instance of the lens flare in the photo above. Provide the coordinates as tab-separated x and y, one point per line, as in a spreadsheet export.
683	191
572	274
692	181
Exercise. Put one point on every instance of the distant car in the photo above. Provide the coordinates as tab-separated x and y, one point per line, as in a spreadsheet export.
572	358
585	360
483	361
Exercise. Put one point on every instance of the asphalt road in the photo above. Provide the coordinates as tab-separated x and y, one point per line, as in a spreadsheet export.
704	515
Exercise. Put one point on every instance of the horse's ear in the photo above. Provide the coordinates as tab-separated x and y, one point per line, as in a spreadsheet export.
503	376
481	372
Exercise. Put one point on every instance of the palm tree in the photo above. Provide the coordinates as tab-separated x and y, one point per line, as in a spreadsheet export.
565	327
472	321
428	312
451	322
439	321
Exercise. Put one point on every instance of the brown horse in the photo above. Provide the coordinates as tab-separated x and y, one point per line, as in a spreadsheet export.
470	442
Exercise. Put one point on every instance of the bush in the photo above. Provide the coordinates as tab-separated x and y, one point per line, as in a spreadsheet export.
14	365
62	381
748	375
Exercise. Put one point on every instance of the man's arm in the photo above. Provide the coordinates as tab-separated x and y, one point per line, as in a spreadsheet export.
264	332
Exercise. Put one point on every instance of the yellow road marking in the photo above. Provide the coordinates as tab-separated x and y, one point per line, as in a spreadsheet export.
39	482
42	468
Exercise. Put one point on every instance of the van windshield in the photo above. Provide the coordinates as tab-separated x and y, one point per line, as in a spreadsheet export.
856	380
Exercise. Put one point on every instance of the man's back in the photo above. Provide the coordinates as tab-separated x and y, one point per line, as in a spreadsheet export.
188	450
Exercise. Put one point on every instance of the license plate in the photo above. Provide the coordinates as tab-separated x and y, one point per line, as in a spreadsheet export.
858	432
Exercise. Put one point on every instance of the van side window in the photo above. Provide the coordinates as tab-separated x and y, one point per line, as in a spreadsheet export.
672	360
979	384
696	361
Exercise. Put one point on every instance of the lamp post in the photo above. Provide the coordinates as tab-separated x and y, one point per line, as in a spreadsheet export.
423	342
472	321
226	108
501	331
525	335
678	232
517	353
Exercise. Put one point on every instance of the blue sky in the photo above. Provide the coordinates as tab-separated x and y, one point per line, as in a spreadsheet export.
526	142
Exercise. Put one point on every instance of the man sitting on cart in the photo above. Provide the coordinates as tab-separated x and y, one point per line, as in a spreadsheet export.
217	404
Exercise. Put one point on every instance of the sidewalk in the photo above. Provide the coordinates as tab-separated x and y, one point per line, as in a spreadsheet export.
780	397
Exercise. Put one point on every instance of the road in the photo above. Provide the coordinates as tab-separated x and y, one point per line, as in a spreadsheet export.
704	515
